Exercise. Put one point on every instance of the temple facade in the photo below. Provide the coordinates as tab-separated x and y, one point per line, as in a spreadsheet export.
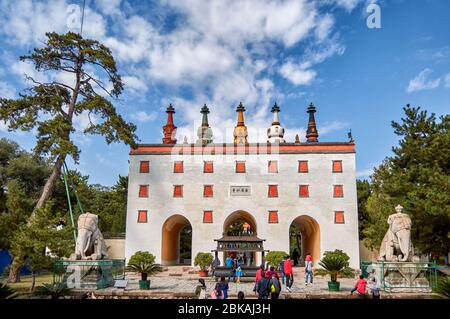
242	198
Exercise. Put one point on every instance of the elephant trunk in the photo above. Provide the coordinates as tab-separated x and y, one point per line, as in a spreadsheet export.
84	240
404	242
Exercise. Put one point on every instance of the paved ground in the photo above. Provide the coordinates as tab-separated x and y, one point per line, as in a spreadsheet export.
180	282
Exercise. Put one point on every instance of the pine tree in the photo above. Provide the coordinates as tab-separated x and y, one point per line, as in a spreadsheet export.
50	107
416	176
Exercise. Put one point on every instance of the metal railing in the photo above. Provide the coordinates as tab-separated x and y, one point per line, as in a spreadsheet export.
98	274
399	276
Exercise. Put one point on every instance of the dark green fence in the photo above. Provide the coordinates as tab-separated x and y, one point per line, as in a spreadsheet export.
94	274
401	275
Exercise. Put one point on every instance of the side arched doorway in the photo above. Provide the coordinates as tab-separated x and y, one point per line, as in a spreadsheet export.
176	241
304	238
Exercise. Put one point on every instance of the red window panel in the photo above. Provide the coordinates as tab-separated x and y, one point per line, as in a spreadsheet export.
303	191
303	166
273	190
142	216
178	191
339	217
208	167
178	167
338	191
208	216
337	166
240	167
273	217
207	191
273	167
144	167
143	190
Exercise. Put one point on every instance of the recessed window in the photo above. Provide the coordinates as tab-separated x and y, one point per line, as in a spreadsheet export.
273	217
273	191
338	191
143	190
240	166
144	167
339	217
207	216
178	191
303	166
207	191
273	167
337	166
303	191
178	167
208	167
142	216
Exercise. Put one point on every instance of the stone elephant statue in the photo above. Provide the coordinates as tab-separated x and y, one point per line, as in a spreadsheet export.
396	244
90	243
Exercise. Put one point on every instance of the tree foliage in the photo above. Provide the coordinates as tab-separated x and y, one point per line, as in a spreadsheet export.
416	176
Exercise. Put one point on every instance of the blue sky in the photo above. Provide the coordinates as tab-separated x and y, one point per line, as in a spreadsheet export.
258	52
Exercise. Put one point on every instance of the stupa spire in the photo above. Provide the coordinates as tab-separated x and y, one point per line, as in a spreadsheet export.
169	130
204	132
275	133
240	131
311	133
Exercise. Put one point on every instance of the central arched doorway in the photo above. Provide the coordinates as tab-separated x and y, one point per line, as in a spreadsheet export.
176	241
239	223
304	238
240	226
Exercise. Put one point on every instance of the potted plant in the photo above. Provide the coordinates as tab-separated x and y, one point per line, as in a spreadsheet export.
335	263
143	262
203	260
274	258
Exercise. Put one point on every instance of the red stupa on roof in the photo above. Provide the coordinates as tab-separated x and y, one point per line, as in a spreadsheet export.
169	130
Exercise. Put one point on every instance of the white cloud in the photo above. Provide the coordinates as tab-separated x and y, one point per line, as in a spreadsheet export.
7	91
364	173
421	82
327	128
296	74
143	117
134	83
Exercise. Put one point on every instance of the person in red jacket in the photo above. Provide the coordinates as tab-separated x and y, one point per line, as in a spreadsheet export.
258	276
360	287
287	266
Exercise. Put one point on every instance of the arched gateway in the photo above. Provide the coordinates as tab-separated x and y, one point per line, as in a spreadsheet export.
304	237
176	241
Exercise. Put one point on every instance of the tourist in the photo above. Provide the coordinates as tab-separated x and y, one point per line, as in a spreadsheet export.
271	272
360	287
275	287
214	265
263	287
288	273
229	261
308	269
258	277
224	287
374	288
240	295
281	267
238	273
216	293
233	269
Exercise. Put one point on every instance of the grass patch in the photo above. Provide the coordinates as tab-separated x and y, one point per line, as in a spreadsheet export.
23	287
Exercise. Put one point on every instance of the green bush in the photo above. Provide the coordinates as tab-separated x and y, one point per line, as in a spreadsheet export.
274	258
203	260
442	291
54	290
335	263
6	292
143	262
